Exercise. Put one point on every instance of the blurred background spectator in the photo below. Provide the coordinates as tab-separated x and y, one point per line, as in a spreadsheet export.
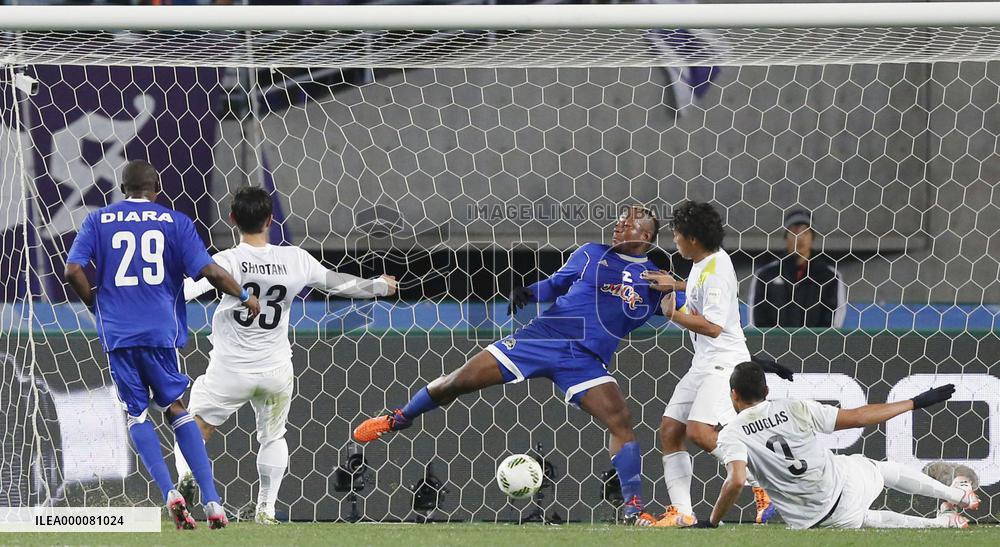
801	289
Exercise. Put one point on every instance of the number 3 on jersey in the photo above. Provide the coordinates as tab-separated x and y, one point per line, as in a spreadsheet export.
273	298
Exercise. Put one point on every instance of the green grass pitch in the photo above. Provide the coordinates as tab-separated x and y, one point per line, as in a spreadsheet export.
413	535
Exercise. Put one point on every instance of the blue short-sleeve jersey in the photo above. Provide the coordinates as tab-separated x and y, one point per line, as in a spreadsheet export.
142	252
599	298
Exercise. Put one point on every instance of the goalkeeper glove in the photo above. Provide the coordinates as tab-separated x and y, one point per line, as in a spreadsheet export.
768	365
933	396
518	298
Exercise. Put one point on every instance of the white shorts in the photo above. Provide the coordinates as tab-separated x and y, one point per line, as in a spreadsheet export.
703	397
863	483
220	392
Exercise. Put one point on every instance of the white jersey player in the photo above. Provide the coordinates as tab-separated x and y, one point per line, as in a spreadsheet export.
700	401
251	357
811	486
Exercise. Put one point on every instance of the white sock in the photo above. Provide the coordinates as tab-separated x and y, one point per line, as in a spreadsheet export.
180	463
910	481
678	469
889	519
272	461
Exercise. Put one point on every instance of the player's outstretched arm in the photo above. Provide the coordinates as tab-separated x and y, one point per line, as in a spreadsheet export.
736	477
220	279
877	413
351	286
77	279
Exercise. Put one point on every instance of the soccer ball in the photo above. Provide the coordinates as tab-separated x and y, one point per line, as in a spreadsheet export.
519	476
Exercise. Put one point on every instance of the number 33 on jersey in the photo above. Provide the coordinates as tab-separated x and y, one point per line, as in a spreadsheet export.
275	275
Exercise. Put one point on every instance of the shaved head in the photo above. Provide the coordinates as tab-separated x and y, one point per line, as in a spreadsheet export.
647	220
140	176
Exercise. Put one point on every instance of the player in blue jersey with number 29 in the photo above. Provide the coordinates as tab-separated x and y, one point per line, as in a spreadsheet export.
142	252
599	296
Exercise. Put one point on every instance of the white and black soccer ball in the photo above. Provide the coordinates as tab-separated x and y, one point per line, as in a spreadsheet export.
519	476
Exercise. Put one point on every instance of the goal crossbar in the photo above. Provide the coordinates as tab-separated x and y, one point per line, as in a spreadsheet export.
501	17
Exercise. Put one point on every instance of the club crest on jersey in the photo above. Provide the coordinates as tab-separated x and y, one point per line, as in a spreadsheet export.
625	292
508	343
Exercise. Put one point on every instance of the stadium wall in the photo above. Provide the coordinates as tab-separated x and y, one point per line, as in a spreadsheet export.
341	378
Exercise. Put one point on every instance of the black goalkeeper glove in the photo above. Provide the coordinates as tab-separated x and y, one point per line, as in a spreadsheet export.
704	524
773	366
518	298
933	396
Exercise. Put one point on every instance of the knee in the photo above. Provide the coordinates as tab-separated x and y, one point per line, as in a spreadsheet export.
176	408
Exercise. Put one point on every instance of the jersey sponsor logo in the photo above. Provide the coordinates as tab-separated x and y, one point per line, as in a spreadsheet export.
265	269
757	426
136	216
625	292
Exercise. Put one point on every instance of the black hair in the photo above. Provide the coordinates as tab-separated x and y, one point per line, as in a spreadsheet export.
699	221
749	382
251	207
140	176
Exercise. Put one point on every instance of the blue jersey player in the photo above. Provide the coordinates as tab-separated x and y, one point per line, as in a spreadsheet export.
141	252
599	297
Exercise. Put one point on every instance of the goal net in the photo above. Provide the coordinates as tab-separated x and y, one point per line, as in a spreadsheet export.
470	161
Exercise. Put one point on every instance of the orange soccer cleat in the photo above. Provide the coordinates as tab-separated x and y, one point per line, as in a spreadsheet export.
373	428
636	516
765	509
675	519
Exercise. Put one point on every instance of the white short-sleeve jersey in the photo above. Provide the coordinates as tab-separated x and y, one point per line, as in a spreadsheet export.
276	275
712	292
777	440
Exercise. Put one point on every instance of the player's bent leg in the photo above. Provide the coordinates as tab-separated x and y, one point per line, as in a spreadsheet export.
271	410
192	445
910	481
480	372
606	403
133	392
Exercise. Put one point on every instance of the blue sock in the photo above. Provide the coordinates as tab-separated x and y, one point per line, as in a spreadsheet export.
192	445
628	463
420	403
147	444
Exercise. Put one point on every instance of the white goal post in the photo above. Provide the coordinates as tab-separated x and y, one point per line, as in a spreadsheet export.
468	149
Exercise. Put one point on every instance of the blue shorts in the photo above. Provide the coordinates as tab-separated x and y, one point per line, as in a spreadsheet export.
569	365
142	374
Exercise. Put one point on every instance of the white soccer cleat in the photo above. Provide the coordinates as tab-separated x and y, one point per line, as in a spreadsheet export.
969	501
953	520
265	515
216	516
177	507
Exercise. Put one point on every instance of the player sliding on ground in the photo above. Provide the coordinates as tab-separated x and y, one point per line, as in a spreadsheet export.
142	251
700	401
812	487
599	297
251	358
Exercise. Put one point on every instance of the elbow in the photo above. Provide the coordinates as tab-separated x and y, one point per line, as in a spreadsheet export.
714	331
